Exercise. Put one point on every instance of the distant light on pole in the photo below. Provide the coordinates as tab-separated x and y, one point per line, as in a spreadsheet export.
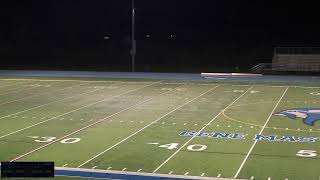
171	35
148	35
106	37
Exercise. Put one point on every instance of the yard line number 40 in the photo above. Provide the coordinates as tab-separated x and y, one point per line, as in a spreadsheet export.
47	139
193	147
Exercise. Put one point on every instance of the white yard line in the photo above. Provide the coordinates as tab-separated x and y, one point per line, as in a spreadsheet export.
215	117
88	126
14	132
20	89
36	107
155	121
16	100
255	142
7	85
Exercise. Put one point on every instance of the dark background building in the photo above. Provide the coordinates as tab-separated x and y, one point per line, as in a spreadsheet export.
172	35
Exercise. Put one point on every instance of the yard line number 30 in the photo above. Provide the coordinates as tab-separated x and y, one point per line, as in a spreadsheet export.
47	139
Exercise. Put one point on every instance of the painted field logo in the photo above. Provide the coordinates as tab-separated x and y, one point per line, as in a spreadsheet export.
309	115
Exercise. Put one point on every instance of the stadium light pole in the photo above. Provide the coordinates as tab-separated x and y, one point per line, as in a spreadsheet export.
133	41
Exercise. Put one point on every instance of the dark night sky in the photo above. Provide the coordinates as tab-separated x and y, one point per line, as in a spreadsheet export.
207	32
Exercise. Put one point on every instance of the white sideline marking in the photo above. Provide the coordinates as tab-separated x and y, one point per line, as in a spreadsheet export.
86	127
170	172
186	173
124	169
65	165
14	132
219	175
202	174
153	122
215	117
36	107
94	167
139	170
109	168
255	142
185	124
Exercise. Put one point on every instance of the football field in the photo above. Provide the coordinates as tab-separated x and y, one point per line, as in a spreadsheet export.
189	128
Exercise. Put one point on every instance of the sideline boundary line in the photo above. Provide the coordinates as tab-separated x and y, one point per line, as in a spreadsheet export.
98	174
255	142
183	82
90	125
88	105
108	149
215	117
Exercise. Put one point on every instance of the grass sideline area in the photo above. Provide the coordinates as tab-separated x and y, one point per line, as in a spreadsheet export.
220	129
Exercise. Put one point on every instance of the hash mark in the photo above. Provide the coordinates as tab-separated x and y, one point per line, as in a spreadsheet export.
218	125
109	168
285	178
174	123
94	167
124	169
141	121
186	173
252	177
185	124
202	174
219	175
196	124
269	178
139	170
170	172
65	165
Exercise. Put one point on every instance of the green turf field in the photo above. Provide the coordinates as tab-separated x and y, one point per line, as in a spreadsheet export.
179	128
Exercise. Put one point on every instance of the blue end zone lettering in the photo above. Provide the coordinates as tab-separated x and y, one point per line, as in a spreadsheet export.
220	135
203	134
186	133
288	138
238	136
261	137
307	139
